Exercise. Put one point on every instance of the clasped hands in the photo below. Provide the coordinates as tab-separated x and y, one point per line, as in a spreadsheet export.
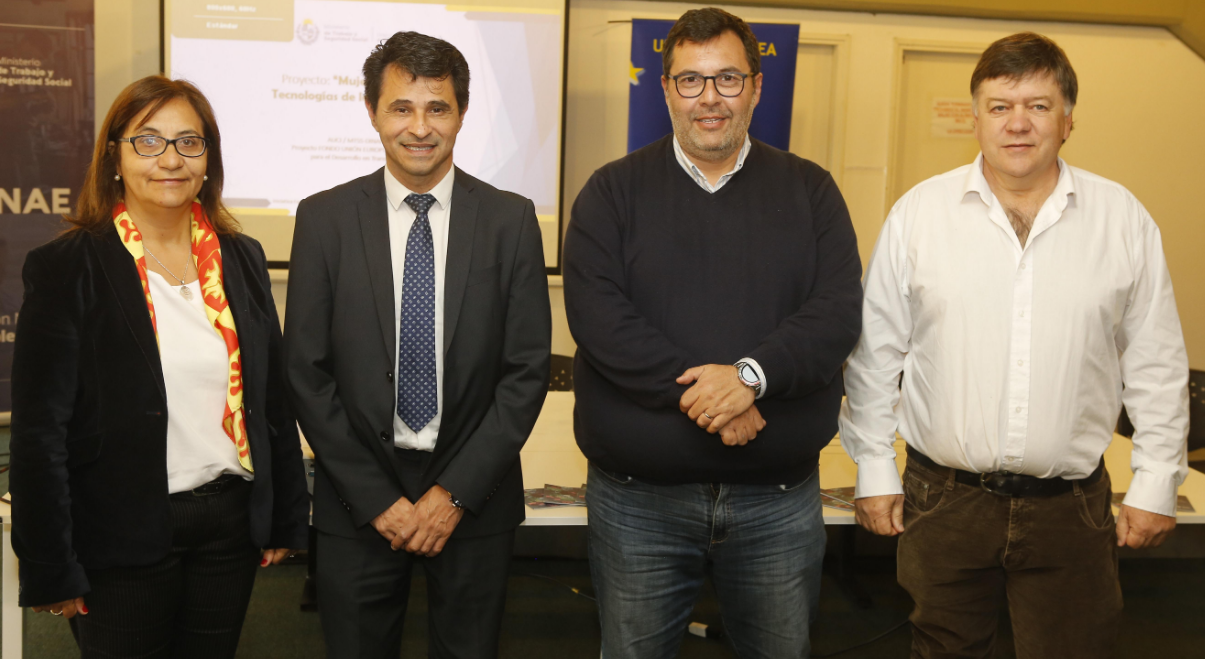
719	402
423	527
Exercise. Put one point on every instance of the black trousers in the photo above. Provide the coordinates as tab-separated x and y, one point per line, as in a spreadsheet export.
363	587
191	603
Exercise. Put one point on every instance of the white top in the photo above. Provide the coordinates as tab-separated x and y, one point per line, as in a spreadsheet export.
401	217
701	179
1013	358
195	369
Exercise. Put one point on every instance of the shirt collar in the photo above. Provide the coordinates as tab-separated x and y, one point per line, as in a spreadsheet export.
977	182
701	178
397	193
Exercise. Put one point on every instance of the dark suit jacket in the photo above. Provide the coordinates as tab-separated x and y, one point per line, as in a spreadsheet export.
341	353
89	421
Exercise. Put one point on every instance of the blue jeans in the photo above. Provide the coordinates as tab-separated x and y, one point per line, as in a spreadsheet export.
651	546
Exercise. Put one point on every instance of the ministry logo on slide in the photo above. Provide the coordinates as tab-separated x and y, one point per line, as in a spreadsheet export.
307	32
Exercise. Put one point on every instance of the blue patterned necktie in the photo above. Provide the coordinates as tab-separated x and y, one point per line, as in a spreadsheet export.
417	392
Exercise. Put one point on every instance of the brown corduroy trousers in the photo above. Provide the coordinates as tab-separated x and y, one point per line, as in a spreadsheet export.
966	553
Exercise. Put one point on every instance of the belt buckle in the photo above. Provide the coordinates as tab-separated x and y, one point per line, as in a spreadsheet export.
215	486
208	489
987	488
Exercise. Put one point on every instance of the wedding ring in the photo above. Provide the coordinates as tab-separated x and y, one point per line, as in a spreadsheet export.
709	417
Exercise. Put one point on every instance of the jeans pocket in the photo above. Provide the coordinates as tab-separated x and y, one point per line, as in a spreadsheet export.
618	479
791	487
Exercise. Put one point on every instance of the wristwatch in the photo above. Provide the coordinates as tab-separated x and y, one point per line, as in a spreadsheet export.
748	376
455	502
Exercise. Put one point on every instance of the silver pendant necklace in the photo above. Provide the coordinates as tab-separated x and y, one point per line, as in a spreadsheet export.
185	291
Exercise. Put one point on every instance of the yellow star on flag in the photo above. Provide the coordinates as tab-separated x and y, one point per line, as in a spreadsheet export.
634	73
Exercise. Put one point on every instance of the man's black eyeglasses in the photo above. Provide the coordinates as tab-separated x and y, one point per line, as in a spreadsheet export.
691	85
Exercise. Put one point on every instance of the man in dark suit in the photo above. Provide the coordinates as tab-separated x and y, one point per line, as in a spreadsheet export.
417	345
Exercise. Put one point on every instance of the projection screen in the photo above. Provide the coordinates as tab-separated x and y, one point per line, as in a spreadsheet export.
284	77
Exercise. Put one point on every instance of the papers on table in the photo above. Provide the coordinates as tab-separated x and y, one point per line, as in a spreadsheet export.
555	495
1182	503
838	498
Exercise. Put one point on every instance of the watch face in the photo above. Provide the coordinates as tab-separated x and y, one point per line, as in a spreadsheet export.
748	374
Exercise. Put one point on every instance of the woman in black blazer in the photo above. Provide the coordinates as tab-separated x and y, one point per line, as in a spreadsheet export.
155	461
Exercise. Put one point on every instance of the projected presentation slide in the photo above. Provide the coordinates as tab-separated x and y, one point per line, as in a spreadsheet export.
284	77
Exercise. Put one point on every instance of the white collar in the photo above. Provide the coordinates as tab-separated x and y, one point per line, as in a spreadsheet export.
976	182
397	193
698	176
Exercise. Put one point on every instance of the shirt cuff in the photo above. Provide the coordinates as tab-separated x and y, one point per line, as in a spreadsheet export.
761	375
878	477
1152	493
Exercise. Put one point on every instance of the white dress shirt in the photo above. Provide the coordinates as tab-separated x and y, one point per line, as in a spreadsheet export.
1013	358
701	179
401	218
195	373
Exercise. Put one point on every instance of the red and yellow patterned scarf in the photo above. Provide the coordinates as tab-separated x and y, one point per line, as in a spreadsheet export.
207	257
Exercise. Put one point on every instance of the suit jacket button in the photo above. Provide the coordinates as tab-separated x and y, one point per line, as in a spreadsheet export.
384	436
389	376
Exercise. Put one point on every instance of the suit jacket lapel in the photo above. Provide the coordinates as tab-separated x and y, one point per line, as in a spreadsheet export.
462	226
122	274
234	285
374	227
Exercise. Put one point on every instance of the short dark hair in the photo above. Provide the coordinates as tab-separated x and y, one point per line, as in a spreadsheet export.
703	25
1024	54
420	56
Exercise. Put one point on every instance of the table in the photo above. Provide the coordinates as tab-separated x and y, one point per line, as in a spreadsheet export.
551	456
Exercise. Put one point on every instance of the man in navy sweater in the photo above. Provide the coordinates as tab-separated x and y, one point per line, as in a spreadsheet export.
712	286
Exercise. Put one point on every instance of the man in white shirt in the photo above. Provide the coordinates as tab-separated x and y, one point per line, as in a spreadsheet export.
1023	301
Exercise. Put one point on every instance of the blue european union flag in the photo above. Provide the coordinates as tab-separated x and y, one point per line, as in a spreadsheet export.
648	118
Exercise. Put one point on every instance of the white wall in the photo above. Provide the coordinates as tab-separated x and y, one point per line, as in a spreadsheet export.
126	47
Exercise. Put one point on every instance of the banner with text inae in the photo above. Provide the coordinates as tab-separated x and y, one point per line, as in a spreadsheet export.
648	118
46	133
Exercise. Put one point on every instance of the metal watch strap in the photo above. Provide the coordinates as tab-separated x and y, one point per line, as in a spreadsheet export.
755	385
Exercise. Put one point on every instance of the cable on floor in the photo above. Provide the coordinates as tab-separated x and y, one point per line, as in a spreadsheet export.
576	591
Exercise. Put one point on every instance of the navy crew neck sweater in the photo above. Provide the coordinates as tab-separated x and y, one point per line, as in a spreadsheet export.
661	275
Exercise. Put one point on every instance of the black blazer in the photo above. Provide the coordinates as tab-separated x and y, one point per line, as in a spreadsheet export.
341	352
89	421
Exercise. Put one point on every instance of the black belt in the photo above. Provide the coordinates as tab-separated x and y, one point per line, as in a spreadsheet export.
215	486
1008	484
